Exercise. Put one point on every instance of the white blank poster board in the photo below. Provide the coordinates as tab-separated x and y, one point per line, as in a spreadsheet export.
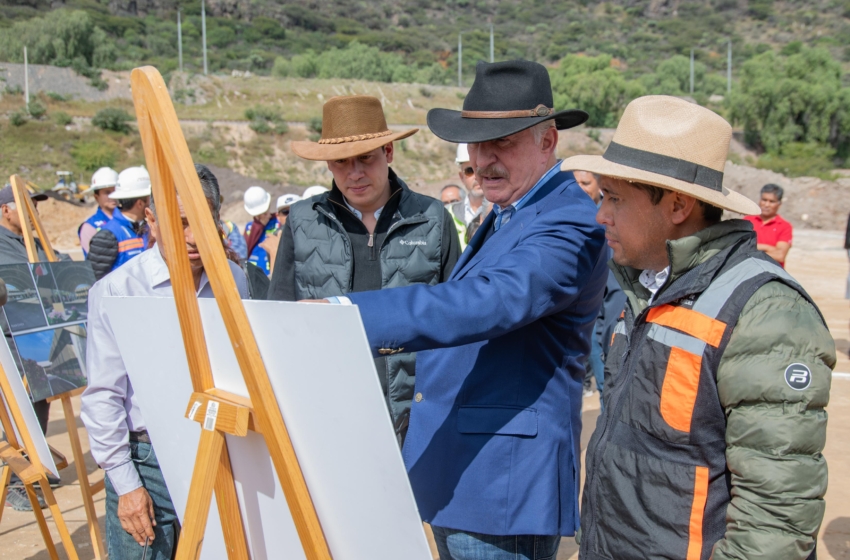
324	379
22	398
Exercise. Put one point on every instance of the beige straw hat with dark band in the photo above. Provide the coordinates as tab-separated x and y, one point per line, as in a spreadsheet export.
351	126
673	144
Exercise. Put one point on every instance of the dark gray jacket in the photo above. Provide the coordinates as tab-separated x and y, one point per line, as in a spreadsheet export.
415	242
13	250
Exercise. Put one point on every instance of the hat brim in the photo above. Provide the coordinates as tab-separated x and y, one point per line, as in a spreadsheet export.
123	195
344	150
452	127
726	199
39	197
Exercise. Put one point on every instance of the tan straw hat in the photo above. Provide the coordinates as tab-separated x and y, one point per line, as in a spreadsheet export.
673	144
351	126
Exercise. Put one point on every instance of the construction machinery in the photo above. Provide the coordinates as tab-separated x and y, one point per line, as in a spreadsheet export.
67	188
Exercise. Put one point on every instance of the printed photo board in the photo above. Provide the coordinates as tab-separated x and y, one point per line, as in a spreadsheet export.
325	383
44	324
19	393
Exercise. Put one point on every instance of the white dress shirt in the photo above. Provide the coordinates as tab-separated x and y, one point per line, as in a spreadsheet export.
469	214
359	214
108	409
652	280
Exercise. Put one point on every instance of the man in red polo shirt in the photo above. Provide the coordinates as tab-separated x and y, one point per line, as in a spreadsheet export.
773	233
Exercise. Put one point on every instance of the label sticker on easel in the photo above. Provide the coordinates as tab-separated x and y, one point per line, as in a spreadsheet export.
212	413
194	409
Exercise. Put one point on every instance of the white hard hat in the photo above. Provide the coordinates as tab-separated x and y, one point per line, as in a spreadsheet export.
133	182
257	201
462	154
103	178
287	200
313	191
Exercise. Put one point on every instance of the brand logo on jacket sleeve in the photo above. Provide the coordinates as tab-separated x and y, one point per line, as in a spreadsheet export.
798	376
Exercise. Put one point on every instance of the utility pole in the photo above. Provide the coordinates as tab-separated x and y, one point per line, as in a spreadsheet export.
460	60
692	71
179	42
26	81
492	58
204	33
729	69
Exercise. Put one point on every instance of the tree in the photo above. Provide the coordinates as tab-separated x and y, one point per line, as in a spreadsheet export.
61	38
794	99
591	84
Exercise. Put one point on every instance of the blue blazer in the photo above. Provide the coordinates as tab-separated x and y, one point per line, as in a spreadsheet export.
494	439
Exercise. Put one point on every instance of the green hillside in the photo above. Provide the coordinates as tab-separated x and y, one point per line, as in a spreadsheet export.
422	34
789	58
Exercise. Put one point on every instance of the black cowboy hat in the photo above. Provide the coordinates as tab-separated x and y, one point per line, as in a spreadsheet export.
505	98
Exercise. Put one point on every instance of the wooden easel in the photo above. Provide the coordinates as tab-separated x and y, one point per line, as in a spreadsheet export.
173	173
28	215
29	469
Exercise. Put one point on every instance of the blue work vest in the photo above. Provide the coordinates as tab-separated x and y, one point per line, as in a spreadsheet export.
129	243
97	221
259	256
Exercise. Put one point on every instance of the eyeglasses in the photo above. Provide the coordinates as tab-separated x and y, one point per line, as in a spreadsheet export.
283	212
468	171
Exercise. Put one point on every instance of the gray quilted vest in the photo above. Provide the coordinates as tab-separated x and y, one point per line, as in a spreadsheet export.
410	254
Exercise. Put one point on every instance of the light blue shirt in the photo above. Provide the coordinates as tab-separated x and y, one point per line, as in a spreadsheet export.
518	205
109	410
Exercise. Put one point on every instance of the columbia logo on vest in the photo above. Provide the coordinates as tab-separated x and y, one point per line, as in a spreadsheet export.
418	242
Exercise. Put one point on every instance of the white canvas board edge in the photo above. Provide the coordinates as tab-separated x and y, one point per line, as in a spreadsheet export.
21	397
307	332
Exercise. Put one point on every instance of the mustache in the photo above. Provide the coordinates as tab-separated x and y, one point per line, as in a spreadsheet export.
492	171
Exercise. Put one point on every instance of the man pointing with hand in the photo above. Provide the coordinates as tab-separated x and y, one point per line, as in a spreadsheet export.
493	445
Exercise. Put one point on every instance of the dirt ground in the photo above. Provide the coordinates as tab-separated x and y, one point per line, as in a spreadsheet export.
817	261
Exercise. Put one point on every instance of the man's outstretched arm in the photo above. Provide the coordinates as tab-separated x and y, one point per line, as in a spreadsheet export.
542	275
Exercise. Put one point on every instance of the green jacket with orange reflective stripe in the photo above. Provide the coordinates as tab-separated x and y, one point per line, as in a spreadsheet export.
710	442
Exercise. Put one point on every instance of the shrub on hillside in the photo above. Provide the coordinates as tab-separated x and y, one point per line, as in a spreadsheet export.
18	118
358	61
361	62
433	74
304	65
113	118
266	120
281	67
800	160
93	155
62	118
315	125
36	109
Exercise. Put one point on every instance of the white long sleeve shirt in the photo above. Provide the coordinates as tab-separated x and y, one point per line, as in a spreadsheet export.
108	409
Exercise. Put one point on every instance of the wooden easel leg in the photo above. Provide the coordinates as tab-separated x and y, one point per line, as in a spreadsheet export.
207	465
229	511
42	523
64	534
4	486
83	477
